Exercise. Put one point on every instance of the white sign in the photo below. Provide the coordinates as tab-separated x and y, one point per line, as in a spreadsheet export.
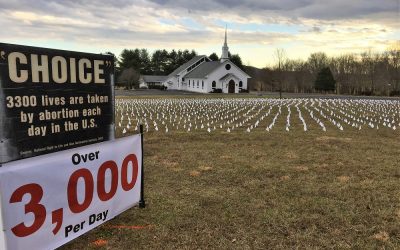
47	201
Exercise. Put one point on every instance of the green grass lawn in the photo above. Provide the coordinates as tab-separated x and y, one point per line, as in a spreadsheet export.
263	190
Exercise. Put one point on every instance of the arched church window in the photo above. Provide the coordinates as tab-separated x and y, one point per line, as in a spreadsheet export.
214	84
240	84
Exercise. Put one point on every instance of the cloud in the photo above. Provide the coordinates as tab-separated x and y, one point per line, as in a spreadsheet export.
320	9
253	24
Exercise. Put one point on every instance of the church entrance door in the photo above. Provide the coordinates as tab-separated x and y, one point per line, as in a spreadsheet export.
231	86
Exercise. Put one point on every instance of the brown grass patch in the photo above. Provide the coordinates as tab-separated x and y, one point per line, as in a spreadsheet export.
343	178
301	168
366	182
194	173
130	227
340	164
226	157
381	236
99	243
258	196
205	168
169	164
331	138
291	155
323	165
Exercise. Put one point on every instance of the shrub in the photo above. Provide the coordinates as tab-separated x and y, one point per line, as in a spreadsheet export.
160	87
394	93
243	91
216	91
366	93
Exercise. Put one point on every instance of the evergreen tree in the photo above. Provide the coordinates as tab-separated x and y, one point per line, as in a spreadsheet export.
325	81
214	57
172	61
145	66
159	61
138	59
235	58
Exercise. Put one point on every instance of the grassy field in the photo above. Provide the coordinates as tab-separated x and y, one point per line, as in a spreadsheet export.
263	190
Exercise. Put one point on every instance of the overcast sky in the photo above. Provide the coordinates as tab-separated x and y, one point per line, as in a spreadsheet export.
255	27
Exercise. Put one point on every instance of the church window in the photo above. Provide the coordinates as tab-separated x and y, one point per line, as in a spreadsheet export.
197	83
202	84
228	66
240	84
214	85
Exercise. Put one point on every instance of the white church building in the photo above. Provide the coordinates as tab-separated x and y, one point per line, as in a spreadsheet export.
202	75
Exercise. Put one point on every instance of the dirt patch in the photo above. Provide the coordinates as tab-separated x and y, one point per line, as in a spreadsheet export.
99	243
331	138
317	165
194	173
301	168
343	178
381	236
285	178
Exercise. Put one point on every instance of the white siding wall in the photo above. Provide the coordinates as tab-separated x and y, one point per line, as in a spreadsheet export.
221	72
214	76
174	84
194	87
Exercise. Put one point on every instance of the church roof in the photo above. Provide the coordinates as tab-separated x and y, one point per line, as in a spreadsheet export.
185	65
203	69
148	78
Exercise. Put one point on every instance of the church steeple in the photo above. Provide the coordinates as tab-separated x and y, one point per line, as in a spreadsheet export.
225	48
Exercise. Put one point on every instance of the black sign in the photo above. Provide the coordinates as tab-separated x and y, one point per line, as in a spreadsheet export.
51	100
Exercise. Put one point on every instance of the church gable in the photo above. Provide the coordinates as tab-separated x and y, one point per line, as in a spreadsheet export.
229	68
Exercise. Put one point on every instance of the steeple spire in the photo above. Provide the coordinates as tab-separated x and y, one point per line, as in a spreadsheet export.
226	35
225	48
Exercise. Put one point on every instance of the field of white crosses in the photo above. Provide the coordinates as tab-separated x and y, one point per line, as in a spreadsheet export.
246	115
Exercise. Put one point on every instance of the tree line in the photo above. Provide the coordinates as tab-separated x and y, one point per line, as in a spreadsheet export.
368	73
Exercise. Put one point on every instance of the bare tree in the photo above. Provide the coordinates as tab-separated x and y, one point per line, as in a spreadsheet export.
317	61
280	59
356	74
394	62
130	77
367	59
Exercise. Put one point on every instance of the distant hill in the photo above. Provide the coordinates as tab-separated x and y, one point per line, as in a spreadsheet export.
267	80
261	79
